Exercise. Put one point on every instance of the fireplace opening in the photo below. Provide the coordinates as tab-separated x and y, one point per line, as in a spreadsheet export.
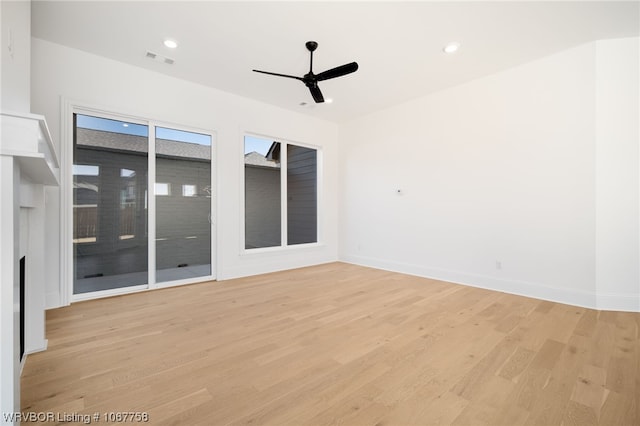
22	307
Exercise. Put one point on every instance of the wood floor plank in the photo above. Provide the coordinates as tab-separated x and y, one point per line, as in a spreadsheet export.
516	364
338	344
442	409
590	388
577	414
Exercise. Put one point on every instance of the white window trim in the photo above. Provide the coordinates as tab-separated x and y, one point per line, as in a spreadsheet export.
284	246
69	107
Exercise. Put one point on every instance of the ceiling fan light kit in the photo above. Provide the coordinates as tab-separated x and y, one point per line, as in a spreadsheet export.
311	80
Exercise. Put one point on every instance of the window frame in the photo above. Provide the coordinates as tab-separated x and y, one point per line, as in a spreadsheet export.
284	245
69	107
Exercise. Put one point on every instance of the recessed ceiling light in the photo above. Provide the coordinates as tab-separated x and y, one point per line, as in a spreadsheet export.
451	47
171	44
328	100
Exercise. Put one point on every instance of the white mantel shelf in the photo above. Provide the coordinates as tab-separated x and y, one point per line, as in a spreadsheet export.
26	137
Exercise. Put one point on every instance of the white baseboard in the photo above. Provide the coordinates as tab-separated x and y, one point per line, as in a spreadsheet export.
268	266
41	348
618	302
23	361
576	297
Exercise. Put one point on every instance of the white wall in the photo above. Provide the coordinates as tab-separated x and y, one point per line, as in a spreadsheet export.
32	219
617	183
498	181
15	40
60	71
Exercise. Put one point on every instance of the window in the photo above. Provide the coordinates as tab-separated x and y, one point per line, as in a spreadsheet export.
281	199
189	191
128	204
302	197
110	165
163	189
85	206
183	225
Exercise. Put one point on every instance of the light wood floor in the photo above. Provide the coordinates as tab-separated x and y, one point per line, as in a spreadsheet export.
338	344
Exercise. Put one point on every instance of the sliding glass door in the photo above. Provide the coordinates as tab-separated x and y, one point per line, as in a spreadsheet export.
117	166
110	244
183	204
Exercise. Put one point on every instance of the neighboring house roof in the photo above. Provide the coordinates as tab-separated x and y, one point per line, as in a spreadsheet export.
130	143
85	185
256	159
274	151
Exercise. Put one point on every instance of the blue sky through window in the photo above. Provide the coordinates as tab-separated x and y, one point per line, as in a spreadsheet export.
182	136
255	144
126	128
114	126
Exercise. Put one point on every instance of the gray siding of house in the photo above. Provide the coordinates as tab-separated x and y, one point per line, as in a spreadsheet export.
302	197
109	255
262	207
179	219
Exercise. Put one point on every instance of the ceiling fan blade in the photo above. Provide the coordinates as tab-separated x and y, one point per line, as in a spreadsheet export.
337	71
279	75
317	94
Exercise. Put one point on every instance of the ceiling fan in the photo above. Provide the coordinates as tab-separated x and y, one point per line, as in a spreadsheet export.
311	80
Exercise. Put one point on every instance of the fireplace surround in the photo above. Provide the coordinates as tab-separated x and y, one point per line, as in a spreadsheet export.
28	163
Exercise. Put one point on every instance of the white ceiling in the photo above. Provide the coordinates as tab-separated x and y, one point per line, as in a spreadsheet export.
397	45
